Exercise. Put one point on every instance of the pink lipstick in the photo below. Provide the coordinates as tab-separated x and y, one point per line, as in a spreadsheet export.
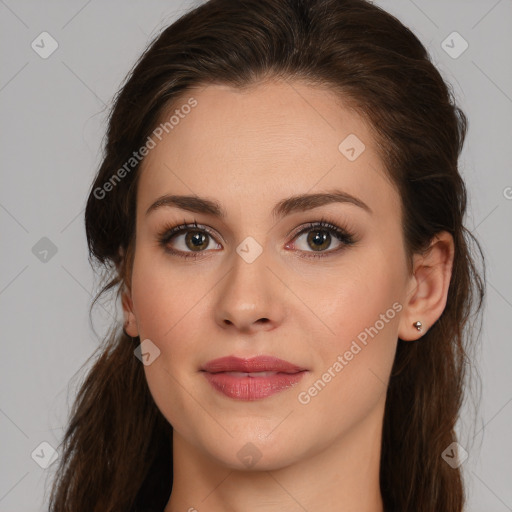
251	379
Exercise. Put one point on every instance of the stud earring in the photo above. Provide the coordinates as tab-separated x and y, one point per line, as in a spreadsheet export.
418	325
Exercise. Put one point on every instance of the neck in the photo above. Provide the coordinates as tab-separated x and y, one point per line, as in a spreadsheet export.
343	476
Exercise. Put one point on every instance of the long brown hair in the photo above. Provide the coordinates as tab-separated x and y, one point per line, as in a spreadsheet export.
117	449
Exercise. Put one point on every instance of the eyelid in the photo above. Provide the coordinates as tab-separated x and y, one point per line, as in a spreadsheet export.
171	229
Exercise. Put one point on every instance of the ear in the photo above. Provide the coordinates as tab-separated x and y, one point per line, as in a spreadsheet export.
130	322
428	287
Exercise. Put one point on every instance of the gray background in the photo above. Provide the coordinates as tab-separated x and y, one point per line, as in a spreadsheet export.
53	114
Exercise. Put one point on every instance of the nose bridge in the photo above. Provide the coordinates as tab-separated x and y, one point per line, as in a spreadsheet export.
250	292
249	275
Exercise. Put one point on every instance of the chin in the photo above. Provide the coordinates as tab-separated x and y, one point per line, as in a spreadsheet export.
253	452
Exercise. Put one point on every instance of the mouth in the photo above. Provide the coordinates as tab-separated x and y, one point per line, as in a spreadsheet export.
252	379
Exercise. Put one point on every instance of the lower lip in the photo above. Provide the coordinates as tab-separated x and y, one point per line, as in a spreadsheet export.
252	388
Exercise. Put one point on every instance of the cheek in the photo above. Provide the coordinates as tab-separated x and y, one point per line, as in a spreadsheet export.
362	310
161	298
164	306
365	292
353	366
169	307
362	348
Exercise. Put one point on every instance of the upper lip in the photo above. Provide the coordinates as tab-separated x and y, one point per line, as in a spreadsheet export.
254	364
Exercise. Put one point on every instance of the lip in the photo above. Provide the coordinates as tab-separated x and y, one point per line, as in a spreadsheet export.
251	379
253	364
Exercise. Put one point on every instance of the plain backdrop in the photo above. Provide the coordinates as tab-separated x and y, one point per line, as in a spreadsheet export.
53	119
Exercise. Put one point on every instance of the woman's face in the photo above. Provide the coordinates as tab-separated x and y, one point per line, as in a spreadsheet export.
249	283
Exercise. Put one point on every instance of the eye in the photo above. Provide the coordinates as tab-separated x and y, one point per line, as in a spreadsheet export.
319	238
195	239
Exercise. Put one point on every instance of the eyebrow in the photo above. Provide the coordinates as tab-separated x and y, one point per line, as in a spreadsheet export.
298	203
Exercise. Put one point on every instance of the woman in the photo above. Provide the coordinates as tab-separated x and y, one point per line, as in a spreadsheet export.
280	210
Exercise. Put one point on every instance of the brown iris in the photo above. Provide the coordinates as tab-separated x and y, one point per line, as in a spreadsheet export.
321	239
198	240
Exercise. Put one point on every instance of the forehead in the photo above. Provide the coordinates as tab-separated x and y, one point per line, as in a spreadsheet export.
269	141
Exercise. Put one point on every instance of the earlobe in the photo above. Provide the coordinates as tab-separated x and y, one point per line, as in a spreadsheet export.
428	293
130	324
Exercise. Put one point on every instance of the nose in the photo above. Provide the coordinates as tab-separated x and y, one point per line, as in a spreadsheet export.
250	297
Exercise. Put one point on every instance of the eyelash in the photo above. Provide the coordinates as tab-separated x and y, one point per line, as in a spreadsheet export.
344	235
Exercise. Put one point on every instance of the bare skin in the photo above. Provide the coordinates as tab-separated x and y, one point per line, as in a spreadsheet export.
248	150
